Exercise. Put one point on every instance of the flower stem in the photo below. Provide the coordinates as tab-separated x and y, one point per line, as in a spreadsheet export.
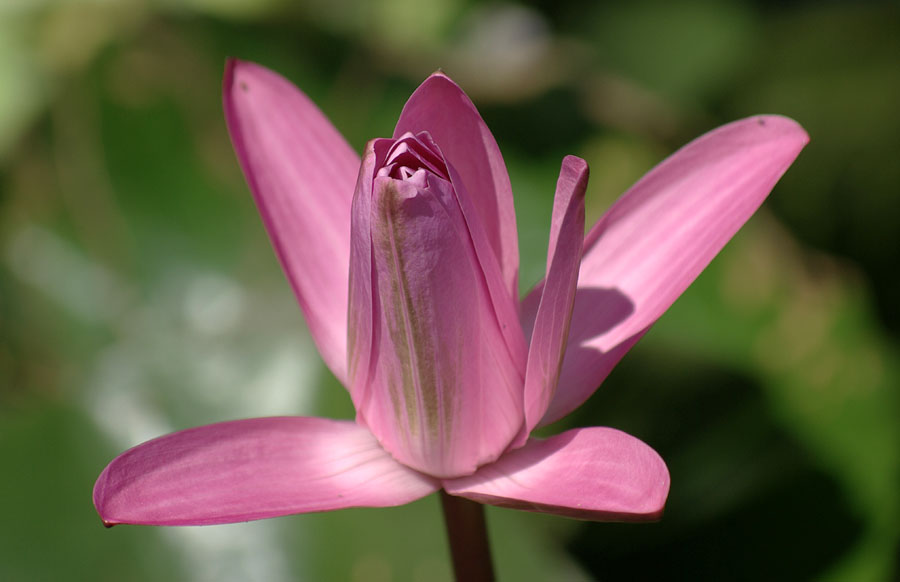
467	532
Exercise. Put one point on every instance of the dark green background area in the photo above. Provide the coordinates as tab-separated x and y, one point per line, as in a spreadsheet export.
139	294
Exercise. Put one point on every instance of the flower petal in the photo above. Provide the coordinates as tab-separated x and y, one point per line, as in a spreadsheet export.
442	109
595	473
360	330
655	240
253	469
302	173
551	327
441	389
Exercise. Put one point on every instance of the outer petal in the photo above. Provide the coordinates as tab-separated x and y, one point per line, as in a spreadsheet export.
506	307
593	473
551	328
436	340
302	174
656	239
441	108
253	469
360	332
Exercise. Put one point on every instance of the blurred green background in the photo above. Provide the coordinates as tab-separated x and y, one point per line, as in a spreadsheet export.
139	294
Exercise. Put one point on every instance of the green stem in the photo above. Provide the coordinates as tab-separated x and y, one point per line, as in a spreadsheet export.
467	533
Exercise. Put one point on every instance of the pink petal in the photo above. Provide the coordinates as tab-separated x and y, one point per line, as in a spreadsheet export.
551	327
253	469
655	240
302	174
442	109
506	306
360	331
440	389
593	473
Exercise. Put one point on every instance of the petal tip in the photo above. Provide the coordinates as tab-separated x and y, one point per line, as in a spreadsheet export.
439	80
231	65
235	70
579	171
228	82
101	502
782	126
575	163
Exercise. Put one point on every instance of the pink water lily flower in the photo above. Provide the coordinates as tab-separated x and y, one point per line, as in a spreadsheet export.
405	264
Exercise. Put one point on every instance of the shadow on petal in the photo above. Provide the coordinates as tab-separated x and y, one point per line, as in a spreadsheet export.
597	312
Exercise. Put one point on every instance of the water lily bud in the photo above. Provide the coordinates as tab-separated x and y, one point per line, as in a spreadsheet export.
442	392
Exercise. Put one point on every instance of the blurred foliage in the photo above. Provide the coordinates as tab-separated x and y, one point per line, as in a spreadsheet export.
138	292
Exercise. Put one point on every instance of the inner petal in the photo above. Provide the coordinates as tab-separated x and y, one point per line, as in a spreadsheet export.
411	153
